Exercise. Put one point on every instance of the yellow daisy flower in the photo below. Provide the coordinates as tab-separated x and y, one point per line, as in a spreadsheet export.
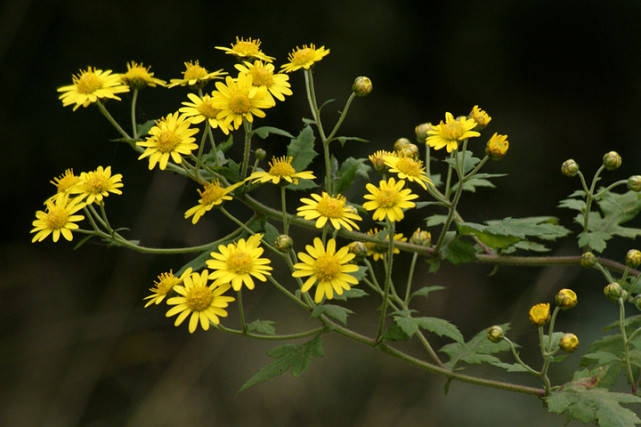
238	100
304	57
236	263
263	76
246	49
171	136
164	285
138	77
63	183
448	134
58	219
378	161
200	302
96	185
408	168
328	208
388	200
280	171
497	146
196	76
481	118
89	86
327	267
213	194
200	109
379	251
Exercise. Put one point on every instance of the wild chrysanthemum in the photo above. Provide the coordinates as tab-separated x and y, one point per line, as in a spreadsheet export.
238	100
201	302
246	49
280	171
63	183
497	146
57	219
162	287
327	267
213	194
171	136
304	57
378	161
138	77
379	251
200	109
277	84
388	200
481	118
239	263
326	208
89	86
447	134
196	76
94	186
408	168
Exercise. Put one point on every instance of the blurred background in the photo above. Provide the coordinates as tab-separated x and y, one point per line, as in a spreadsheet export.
561	79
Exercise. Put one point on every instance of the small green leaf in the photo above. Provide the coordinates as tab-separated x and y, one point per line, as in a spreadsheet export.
349	170
509	367
262	327
477	350
302	149
433	220
143	128
394	333
577	205
595	240
344	139
441	327
425	291
303	185
334	311
264	131
352	293
459	252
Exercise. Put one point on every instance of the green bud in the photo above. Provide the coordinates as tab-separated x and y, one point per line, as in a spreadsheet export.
400	143
421	237
588	260
611	160
421	132
633	258
495	334
283	243
409	150
569	168
260	154
362	86
359	249
614	291
634	183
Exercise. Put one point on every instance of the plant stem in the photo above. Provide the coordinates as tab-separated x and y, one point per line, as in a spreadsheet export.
626	346
388	278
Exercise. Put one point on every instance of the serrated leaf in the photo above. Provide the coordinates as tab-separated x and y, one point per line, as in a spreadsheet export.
477	350
394	333
441	327
264	131
271	233
616	209
574	204
302	149
289	357
425	291
349	170
459	252
595	240
352	293
262	327
478	180
334	311
509	367
469	163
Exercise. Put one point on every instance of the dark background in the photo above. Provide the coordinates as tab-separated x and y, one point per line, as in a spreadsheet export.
560	78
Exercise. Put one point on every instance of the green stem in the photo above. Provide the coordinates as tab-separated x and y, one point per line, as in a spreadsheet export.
342	116
241	312
270	337
114	123
546	363
283	207
134	126
248	130
626	346
518	359
388	278
410	278
457	196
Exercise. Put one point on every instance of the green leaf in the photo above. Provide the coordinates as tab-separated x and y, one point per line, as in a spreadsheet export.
425	291
271	233
349	170
459	252
492	240
616	209
477	350
143	128
303	185
302	149
294	357
577	205
264	131
262	327
352	293
394	333
479	180
344	139
433	220
441	327
595	240
509	367
334	311
468	165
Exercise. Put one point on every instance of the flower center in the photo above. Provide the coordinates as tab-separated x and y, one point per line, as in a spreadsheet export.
239	103
326	268
167	141
282	167
240	263
194	72
199	299
387	198
89	82
330	207
246	48
261	76
303	56
211	194
453	130
57	218
207	110
408	166
95	183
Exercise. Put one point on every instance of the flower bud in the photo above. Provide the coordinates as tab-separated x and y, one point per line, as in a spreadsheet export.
568	343
539	314
400	143
481	118
569	168
362	86
614	291
611	160
565	299
495	334
588	260
378	161
260	154
637	302
421	132
497	146
359	249
283	243
634	183
633	258
409	150
421	237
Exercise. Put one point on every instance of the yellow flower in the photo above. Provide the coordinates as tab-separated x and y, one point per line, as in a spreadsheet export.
326	208
388	200
327	268
236	263
200	109
91	85
408	168
238	100
379	251
196	76
263	76
448	134
378	161
481	118
58	219
203	303
63	183
280	169
497	146
569	342
96	185
164	285
246	49
213	194
171	136
539	314
304	57
139	77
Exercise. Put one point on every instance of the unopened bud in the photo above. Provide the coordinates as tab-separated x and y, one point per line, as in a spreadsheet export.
283	243
495	334
588	260
633	258
481	118
497	146
614	291
400	143
409	150
634	183
421	237
566	299
359	249
568	343
260	154
611	160
421	132
569	168
539	314
362	86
